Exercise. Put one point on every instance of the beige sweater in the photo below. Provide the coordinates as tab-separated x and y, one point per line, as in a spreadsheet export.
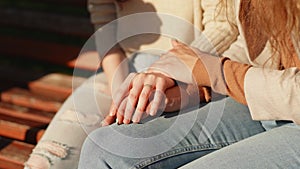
271	94
199	13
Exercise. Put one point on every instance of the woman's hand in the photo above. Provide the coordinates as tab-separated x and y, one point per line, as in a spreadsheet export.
141	94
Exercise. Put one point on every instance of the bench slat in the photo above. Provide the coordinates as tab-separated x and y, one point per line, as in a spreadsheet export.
55	86
24	115
24	98
20	131
13	153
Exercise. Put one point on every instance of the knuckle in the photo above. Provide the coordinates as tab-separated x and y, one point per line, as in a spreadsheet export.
132	96
139	110
131	75
160	80
144	96
151	77
128	111
141	76
121	110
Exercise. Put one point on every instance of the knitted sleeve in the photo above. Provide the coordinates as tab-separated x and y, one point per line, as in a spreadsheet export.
101	12
219	27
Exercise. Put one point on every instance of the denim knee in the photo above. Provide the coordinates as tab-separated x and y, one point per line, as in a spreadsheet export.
95	155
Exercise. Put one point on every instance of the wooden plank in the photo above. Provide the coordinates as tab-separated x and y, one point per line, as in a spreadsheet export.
47	51
24	98
13	154
24	115
56	85
20	132
52	22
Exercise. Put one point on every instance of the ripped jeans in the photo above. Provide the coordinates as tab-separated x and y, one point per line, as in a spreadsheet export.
81	113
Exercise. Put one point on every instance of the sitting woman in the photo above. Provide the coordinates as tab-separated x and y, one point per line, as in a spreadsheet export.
259	72
83	111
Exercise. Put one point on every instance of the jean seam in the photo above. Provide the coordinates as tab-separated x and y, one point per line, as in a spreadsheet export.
179	151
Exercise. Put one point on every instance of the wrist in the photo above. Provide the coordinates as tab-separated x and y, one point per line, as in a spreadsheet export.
212	72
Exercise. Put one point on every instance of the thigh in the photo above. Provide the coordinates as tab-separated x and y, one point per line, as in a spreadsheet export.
171	140
141	62
276	148
80	114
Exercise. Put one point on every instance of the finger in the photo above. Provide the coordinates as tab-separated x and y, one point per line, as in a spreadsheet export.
119	95
149	106
108	120
120	113
142	103
112	110
157	102
159	95
131	102
147	112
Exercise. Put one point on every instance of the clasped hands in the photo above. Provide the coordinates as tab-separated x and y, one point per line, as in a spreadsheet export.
144	94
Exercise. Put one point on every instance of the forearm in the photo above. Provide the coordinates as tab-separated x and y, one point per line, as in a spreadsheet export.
201	69
115	67
270	94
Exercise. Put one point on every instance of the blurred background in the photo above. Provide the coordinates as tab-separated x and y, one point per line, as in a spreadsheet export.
39	43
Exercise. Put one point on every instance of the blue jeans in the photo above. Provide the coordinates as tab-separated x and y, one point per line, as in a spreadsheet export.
80	114
274	149
170	140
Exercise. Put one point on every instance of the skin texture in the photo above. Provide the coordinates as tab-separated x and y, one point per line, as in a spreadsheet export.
136	92
115	68
143	94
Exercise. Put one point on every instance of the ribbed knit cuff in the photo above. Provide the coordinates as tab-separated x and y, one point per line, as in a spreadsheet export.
214	71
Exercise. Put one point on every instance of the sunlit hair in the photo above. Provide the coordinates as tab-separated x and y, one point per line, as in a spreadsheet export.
279	21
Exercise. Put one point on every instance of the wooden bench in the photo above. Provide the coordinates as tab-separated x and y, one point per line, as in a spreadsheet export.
39	45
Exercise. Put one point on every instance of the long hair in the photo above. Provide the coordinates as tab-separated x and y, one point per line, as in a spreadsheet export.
279	21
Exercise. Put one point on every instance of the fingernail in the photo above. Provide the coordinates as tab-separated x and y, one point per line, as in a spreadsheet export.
126	121
103	124
135	119
152	112
118	122
112	112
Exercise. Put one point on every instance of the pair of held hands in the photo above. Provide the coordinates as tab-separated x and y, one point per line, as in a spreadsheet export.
144	94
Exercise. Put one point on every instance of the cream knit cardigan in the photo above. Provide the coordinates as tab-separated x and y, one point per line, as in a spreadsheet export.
205	15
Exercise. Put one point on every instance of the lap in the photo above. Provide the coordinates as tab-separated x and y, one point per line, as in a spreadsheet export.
276	148
199	132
